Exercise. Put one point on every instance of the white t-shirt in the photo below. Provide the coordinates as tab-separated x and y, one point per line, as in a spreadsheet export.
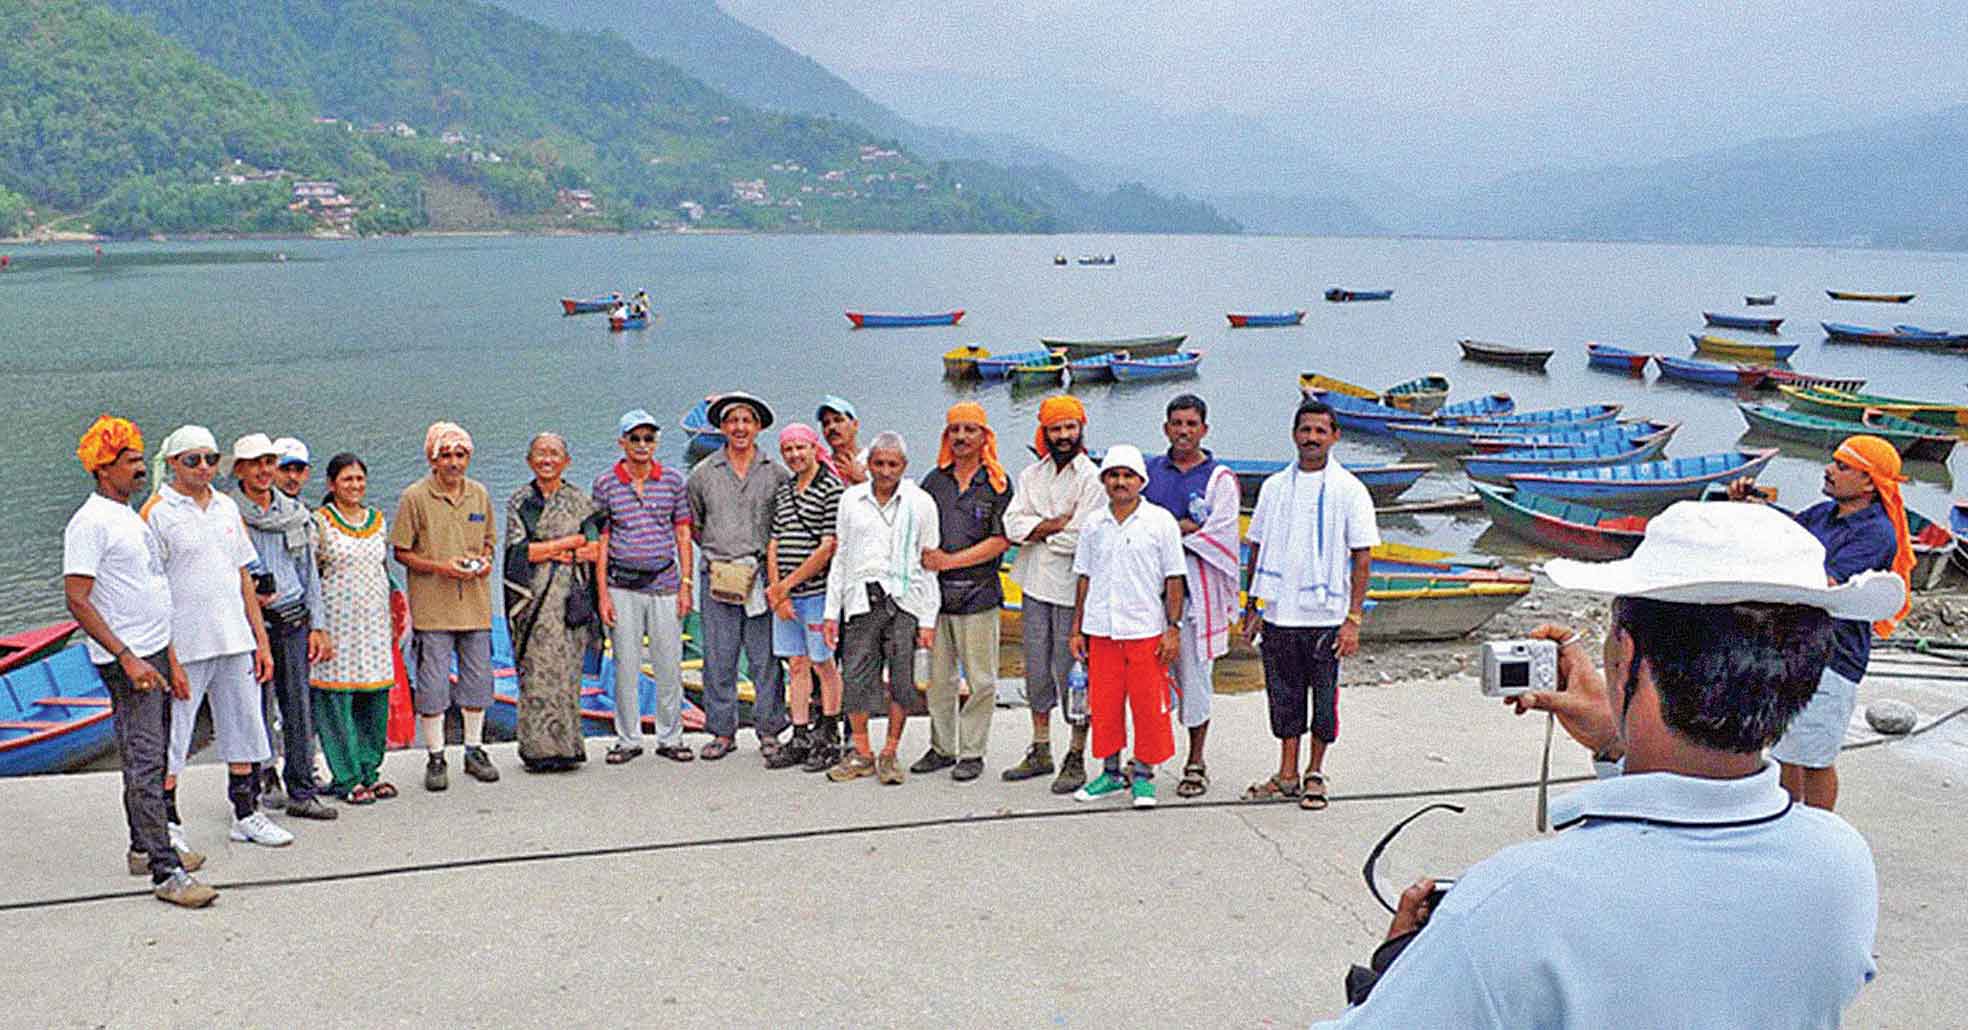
109	543
203	551
1127	565
1308	527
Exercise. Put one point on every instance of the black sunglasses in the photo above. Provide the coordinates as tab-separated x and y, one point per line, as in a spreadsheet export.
191	461
641	438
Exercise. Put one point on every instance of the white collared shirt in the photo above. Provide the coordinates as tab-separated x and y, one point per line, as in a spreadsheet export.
109	543
1044	570
884	544
203	550
1127	565
1652	911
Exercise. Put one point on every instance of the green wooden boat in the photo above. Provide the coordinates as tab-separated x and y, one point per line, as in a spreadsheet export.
1421	395
1824	431
1930	443
1851	407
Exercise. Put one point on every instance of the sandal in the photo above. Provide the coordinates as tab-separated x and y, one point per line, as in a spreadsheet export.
716	749
1273	789
1195	781
359	795
676	752
383	791
621	755
1314	799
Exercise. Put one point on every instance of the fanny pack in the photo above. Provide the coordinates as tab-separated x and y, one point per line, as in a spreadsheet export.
731	581
628	577
291	616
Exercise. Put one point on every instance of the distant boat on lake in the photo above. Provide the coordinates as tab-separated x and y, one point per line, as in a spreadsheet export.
570	306
1342	296
1241	321
1503	354
1136	346
1876	298
1760	300
1723	320
1619	359
876	320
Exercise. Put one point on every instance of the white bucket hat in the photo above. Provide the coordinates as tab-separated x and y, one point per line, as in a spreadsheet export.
248	447
1717	552
1124	456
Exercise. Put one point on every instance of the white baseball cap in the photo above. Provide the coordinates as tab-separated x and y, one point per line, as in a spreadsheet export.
248	447
291	451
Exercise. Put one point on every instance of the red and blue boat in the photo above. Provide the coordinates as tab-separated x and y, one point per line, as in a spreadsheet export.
33	645
1709	373
617	323
878	320
570	306
1647	486
54	715
1564	527
1618	359
1344	296
1243	321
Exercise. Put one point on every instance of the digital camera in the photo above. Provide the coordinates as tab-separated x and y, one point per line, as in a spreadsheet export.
1512	667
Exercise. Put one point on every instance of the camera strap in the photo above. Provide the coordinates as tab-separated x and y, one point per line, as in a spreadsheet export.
1373	857
1544	776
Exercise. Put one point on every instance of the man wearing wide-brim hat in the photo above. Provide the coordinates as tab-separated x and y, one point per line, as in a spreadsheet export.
1687	889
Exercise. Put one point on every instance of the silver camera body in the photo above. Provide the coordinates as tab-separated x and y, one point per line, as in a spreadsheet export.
1512	667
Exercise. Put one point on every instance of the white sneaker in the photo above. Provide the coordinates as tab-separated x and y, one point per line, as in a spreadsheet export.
177	832
258	829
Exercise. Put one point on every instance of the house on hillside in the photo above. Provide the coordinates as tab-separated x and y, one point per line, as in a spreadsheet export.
692	210
316	189
322	198
576	201
750	191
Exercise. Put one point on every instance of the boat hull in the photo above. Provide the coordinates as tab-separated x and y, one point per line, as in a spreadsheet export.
1760	300
1618	359
570	306
874	320
1707	373
1130	370
1339	296
55	715
1496	468
1738	349
35	644
961	363
1875	298
1649	486
1136	346
616	325
1272	321
1564	528
1499	354
1383	482
1752	323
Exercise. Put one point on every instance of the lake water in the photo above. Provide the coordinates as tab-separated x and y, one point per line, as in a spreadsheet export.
359	345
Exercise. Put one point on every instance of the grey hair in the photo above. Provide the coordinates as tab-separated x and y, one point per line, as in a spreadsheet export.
889	440
549	435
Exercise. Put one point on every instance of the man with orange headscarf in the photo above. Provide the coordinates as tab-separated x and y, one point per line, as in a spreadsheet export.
971	492
1862	526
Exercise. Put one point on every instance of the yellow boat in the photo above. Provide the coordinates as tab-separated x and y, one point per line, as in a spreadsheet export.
1309	381
961	362
1725	347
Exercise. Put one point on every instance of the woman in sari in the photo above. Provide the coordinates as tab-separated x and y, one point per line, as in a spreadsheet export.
551	549
351	689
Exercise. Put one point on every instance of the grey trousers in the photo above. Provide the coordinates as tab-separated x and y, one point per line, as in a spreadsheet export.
727	631
143	735
289	688
639	615
1046	630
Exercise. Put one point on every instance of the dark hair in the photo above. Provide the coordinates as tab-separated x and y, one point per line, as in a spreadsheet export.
1729	676
335	466
1188	402
1313	406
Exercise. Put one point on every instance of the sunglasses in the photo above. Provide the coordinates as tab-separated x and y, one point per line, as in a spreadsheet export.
191	461
641	438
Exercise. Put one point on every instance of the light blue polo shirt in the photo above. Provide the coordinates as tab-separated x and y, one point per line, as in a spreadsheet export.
1670	901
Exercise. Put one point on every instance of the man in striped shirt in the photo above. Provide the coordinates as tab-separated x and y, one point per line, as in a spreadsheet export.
797	557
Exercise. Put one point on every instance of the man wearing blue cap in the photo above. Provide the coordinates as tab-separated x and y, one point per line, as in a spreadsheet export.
645	563
841	425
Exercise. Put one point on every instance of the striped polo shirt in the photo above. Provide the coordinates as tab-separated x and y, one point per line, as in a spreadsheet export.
800	519
642	527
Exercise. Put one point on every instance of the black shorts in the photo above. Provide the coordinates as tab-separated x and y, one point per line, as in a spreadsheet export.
883	637
1301	664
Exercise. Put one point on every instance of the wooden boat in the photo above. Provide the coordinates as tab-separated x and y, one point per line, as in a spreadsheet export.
877	320
1619	359
1958	524
1309	382
1136	346
570	306
1754	323
1421	594
1095	368
961	362
1502	354
1341	296
1932	544
1760	300
1897	336
618	323
1583	415
1877	298
1259	321
1728	348
32	645
1422	394
1775	377
1036	371
1828	432
1589	434
1383	482
1648	486
1495	468
1096	260
1694	370
1564	527
1487	407
999	366
696	426
1163	366
1363	415
1852	406
1925	442
598	687
54	715
1939	337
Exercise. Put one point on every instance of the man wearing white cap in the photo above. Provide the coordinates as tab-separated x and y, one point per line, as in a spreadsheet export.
1691	890
1127	619
216	630
290	473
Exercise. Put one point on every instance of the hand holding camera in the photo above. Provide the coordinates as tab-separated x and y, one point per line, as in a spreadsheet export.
1579	698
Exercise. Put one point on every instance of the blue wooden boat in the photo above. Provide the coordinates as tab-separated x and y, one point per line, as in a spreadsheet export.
1582	415
1342	296
1494	405
1648	486
1898	336
1496	467
617	324
1094	368
876	320
1756	323
1161	366
570	306
999	366
1243	321
1589	434
1618	359
1695	370
696	425
1572	530
54	715
1383	482
1942	336
1362	415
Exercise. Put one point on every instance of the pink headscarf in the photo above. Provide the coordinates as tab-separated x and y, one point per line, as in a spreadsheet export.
442	435
802	431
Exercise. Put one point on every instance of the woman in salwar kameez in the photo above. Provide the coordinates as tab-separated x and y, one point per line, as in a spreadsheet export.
351	687
550	552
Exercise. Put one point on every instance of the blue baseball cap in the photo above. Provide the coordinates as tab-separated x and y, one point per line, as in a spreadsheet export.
836	404
632	419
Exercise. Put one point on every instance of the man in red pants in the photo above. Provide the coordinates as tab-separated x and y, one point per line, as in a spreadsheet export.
1127	618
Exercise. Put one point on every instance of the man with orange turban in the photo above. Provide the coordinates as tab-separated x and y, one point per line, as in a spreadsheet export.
971	492
1862	526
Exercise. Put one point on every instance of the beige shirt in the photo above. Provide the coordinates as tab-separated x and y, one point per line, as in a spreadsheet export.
439	527
1044	571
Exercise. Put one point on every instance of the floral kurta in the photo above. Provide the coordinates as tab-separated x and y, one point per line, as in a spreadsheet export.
355	601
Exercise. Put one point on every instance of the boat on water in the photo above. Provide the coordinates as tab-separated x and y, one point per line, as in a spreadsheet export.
1587	434
1944	337
1826	432
1618	359
54	714
1958	524
1754	323
1038	371
697	428
1725	347
1095	368
1928	443
1162	366
1581	415
961	362
1876	298
1383	482
1095	260
1416	593
1504	354
1897	336
1774	377
1566	528
1364	416
618	323
570	306
1498	466
1932	544
999	366
1760	300
32	645
1343	296
1311	382
879	320
1489	407
1647	486
1136	346
1423	394
1260	321
1852	406
1710	373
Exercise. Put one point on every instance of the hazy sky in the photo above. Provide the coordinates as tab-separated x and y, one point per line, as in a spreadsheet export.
1475	87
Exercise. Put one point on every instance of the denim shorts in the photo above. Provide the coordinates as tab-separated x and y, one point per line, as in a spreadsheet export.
793	638
1813	738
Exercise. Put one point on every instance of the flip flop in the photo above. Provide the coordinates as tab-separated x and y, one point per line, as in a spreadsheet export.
676	752
359	795
1273	789
383	791
1195	781
1314	799
716	749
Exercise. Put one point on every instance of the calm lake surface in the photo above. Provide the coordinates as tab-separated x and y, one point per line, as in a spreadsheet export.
359	345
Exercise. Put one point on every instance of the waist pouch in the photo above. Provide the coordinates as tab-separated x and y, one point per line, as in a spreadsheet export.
731	581
628	577
289	617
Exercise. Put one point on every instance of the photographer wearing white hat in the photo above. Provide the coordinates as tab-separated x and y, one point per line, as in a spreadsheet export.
1689	890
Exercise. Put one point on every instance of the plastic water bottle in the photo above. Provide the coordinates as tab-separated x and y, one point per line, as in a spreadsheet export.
922	666
1198	509
1076	693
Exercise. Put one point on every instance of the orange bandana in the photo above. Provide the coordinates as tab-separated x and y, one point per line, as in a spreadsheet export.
1877	459
973	413
106	438
1054	410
